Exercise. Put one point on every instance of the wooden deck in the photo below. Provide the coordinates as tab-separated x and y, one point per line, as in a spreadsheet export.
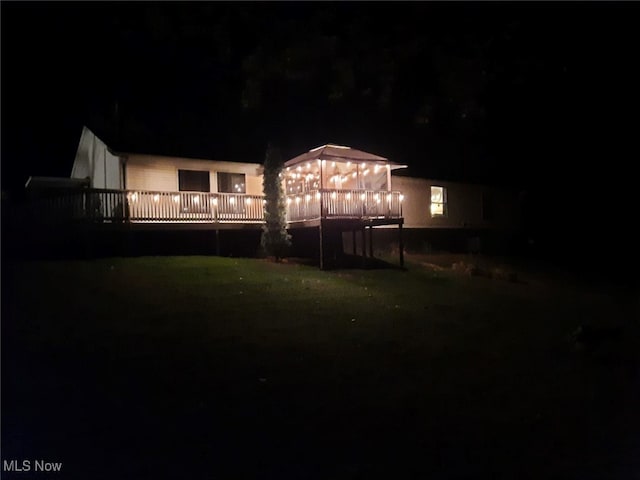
195	210
100	214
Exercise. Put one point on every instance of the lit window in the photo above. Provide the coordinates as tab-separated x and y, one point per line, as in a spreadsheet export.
231	182
438	201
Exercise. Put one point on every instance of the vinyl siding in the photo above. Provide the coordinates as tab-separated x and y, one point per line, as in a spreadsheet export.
149	172
464	204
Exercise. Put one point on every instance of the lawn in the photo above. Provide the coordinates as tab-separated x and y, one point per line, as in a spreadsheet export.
204	367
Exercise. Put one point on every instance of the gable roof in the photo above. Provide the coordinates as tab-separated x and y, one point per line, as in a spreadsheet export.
339	152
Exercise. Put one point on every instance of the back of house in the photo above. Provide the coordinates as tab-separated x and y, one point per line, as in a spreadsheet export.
328	186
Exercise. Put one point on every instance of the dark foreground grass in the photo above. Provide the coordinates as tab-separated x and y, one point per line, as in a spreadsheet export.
200	367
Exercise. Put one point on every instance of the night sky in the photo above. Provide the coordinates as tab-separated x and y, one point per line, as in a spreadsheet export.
539	96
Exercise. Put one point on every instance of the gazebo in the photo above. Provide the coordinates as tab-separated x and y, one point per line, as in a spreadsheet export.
337	189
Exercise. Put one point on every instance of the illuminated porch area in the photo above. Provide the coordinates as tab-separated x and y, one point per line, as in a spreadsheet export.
336	188
334	181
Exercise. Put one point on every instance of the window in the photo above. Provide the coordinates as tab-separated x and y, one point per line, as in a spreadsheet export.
231	183
193	181
438	201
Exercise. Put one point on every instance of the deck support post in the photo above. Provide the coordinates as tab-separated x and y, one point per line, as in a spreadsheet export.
364	246
217	242
400	244
353	239
321	245
371	241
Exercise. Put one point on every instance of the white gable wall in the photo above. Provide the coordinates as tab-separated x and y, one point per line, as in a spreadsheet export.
95	161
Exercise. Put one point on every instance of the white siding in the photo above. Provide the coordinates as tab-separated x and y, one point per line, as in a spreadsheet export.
94	160
254	185
464	204
152	172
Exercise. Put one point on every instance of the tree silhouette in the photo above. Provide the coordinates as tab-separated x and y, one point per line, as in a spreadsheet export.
275	239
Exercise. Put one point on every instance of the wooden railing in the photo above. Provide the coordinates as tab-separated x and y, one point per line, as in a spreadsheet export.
194	207
78	205
114	206
121	206
344	204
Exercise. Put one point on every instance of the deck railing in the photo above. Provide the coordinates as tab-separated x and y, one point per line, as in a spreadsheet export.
328	203
194	207
121	206
116	206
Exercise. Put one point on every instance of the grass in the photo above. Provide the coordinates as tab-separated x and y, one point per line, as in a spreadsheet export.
204	367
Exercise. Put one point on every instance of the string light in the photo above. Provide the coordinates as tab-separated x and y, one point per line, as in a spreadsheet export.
156	197
248	201
176	198
333	195
214	201
232	200
196	199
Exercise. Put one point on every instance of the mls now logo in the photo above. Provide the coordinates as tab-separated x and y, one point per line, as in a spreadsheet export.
26	466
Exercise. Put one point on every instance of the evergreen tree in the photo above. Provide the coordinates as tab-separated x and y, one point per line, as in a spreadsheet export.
275	239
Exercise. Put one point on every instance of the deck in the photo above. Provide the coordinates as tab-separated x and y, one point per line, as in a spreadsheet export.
209	210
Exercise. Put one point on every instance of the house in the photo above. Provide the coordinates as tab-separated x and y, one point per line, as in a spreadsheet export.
156	188
338	192
447	215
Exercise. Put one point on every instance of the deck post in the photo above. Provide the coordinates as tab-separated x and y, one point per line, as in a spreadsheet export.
353	238
321	245
400	244
217	242
371	241
364	246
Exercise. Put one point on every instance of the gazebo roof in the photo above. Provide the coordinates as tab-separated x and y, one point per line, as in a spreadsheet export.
339	152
